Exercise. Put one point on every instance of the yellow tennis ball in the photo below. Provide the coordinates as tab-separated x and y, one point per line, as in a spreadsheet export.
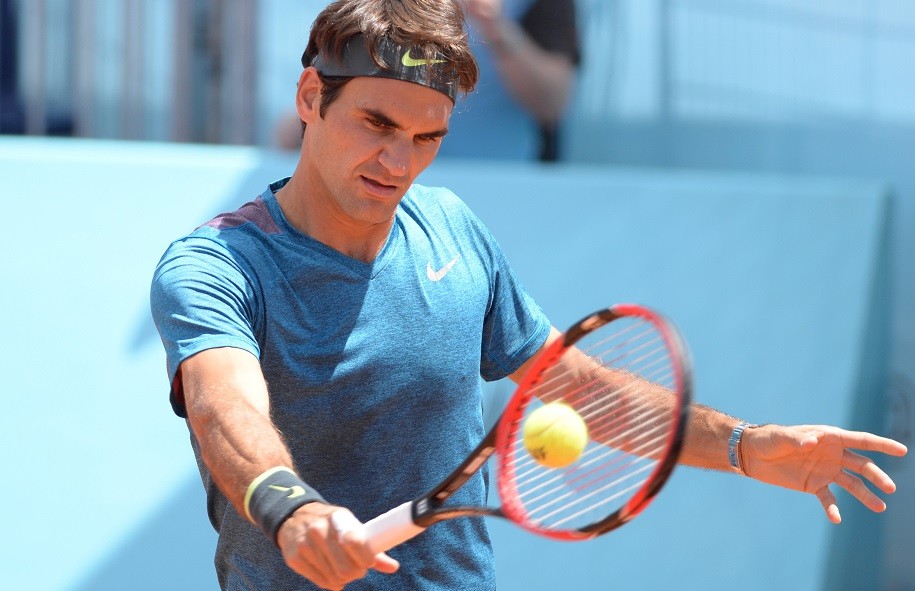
555	435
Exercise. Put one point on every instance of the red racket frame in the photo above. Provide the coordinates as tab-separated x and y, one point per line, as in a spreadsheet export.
510	423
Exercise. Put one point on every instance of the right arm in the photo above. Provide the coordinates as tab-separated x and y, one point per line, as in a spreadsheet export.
228	408
229	412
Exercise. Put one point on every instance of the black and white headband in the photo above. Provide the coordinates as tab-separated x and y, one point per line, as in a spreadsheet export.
403	63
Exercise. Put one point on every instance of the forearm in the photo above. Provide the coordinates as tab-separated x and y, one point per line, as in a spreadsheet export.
228	411
237	445
539	80
707	434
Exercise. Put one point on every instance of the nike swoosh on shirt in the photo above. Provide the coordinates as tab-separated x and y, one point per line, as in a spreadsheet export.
434	275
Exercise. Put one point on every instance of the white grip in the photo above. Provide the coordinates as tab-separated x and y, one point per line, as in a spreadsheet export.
392	528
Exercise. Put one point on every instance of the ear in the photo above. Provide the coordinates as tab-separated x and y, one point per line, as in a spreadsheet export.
308	95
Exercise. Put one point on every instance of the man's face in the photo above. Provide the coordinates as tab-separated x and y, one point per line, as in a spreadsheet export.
372	142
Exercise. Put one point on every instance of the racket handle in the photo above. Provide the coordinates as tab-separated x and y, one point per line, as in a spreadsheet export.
392	528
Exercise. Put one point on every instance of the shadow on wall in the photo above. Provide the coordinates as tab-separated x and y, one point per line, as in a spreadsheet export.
172	550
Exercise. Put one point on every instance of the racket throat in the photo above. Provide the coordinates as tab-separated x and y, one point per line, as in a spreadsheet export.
437	514
465	471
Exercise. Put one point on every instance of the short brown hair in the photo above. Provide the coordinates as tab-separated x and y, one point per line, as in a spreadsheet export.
434	26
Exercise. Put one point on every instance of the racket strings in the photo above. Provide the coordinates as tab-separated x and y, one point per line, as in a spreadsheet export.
608	411
602	499
579	479
597	463
616	383
558	376
604	426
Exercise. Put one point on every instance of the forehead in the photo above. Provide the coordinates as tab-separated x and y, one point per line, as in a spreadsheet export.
404	101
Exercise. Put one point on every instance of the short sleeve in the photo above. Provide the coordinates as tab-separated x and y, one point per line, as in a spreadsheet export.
514	327
201	298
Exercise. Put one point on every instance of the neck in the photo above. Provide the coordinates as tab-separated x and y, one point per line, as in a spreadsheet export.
309	211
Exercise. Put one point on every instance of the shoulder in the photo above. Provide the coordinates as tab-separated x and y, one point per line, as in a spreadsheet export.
438	207
434	201
228	234
255	215
221	247
423	197
260	218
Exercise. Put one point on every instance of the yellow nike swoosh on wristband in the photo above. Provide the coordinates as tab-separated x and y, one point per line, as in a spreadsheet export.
410	62
294	491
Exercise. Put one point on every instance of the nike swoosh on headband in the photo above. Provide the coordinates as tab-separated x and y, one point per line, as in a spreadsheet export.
355	59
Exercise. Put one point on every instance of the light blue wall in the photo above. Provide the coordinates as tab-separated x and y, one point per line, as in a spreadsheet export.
775	280
777	87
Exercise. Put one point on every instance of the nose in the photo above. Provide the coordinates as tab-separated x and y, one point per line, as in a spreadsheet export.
395	156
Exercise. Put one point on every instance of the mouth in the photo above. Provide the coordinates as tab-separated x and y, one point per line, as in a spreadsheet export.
379	189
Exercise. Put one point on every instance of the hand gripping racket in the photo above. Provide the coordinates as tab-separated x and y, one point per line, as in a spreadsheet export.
626	372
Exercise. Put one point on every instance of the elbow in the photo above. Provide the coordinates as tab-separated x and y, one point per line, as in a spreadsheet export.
200	414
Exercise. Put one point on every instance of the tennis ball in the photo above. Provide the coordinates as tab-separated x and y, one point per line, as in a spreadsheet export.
555	435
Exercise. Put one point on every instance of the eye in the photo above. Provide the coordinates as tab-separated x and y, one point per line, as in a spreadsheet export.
378	124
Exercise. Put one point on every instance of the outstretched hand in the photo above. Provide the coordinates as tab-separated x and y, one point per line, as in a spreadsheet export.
809	458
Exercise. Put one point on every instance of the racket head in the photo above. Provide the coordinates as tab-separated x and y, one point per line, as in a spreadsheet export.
608	366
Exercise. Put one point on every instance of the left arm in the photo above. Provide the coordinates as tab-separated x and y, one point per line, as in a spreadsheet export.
806	458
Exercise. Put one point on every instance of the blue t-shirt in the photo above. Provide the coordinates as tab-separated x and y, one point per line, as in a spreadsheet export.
373	368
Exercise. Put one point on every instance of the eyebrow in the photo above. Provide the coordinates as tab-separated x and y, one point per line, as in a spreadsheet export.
383	118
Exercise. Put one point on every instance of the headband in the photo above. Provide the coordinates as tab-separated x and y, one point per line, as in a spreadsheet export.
403	63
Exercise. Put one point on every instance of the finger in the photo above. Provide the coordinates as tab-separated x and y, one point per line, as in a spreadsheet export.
828	500
301	564
353	540
807	442
351	537
329	539
860	491
306	567
322	556
385	564
868	469
871	442
299	557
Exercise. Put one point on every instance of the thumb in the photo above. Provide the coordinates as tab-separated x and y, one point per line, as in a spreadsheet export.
808	441
796	439
343	521
385	564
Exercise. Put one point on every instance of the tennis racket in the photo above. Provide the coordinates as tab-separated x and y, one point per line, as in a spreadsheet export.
626	372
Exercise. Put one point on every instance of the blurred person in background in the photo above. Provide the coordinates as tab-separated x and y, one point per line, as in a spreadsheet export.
12	117
527	51
22	112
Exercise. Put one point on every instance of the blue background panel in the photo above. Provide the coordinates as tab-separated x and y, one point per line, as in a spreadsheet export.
776	281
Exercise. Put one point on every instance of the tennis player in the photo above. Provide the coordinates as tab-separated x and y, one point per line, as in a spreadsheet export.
326	340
